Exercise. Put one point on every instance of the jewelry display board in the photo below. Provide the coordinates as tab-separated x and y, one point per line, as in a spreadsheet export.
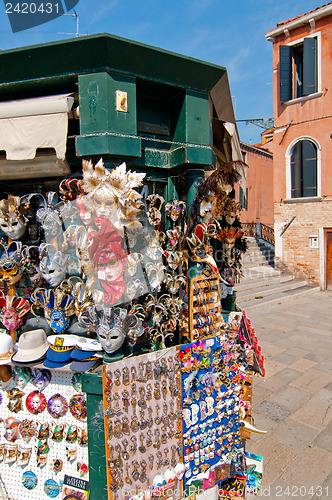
204	306
143	425
38	447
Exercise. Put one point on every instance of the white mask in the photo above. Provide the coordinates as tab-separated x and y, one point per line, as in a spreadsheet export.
14	228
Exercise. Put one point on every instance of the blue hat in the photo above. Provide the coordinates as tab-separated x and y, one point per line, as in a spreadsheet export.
59	353
83	366
52	364
79	353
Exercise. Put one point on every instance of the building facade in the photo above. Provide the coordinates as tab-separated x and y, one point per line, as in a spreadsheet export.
257	202
302	144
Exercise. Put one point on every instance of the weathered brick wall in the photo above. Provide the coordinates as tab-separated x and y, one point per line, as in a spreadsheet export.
297	255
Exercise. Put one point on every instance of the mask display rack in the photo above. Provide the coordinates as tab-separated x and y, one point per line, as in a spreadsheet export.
113	283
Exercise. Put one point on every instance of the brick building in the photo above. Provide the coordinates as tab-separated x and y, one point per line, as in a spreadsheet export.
302	145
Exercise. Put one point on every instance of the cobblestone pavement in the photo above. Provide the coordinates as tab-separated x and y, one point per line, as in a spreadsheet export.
293	402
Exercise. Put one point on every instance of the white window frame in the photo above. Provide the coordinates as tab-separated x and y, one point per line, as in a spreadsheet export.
288	167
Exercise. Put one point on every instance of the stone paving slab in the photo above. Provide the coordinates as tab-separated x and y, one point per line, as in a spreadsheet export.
294	401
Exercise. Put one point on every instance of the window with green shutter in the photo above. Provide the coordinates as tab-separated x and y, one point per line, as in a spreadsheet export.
298	69
304	169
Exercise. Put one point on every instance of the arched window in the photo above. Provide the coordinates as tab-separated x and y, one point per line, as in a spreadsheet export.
303	169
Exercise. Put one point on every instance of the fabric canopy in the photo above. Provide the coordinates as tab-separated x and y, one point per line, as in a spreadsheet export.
21	132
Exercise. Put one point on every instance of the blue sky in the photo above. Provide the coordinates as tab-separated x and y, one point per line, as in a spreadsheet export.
227	33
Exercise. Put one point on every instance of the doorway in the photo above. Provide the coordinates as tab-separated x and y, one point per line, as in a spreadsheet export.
329	260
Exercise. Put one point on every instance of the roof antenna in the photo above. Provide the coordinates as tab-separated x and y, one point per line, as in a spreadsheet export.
77	34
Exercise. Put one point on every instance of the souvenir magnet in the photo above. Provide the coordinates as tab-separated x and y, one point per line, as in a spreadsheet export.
29	480
57	406
36	402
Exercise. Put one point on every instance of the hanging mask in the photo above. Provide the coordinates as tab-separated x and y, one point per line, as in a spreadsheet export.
35	402
12	222
12	429
175	209
109	258
58	306
107	325
49	217
173	235
53	264
57	406
70	189
154	249
12	310
155	202
58	431
86	213
15	396
132	262
21	376
111	193
41	378
11	262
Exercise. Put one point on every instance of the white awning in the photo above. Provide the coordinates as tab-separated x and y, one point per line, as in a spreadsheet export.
29	124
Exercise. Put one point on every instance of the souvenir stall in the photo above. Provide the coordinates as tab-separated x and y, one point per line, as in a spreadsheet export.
126	366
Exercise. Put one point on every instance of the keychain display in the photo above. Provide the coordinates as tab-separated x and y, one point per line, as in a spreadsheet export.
142	408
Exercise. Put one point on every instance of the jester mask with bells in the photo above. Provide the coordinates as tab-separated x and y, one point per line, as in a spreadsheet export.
58	306
11	262
110	325
12	310
112	194
12	222
53	264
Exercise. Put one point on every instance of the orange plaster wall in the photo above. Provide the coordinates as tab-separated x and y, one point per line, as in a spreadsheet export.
260	189
310	117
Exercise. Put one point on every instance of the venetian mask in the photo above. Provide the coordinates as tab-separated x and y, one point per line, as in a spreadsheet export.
175	209
49	217
109	258
11	262
155	202
230	218
53	264
5	376
111	193
22	376
12	310
12	222
58	306
205	208
108	325
87	214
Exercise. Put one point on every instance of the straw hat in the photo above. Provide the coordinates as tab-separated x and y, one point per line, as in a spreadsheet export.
31	346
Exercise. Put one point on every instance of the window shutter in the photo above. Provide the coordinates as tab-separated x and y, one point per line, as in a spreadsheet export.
285	72
309	169
296	171
309	65
246	199
241	201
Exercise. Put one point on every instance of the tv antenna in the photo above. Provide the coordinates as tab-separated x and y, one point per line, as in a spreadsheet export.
77	34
